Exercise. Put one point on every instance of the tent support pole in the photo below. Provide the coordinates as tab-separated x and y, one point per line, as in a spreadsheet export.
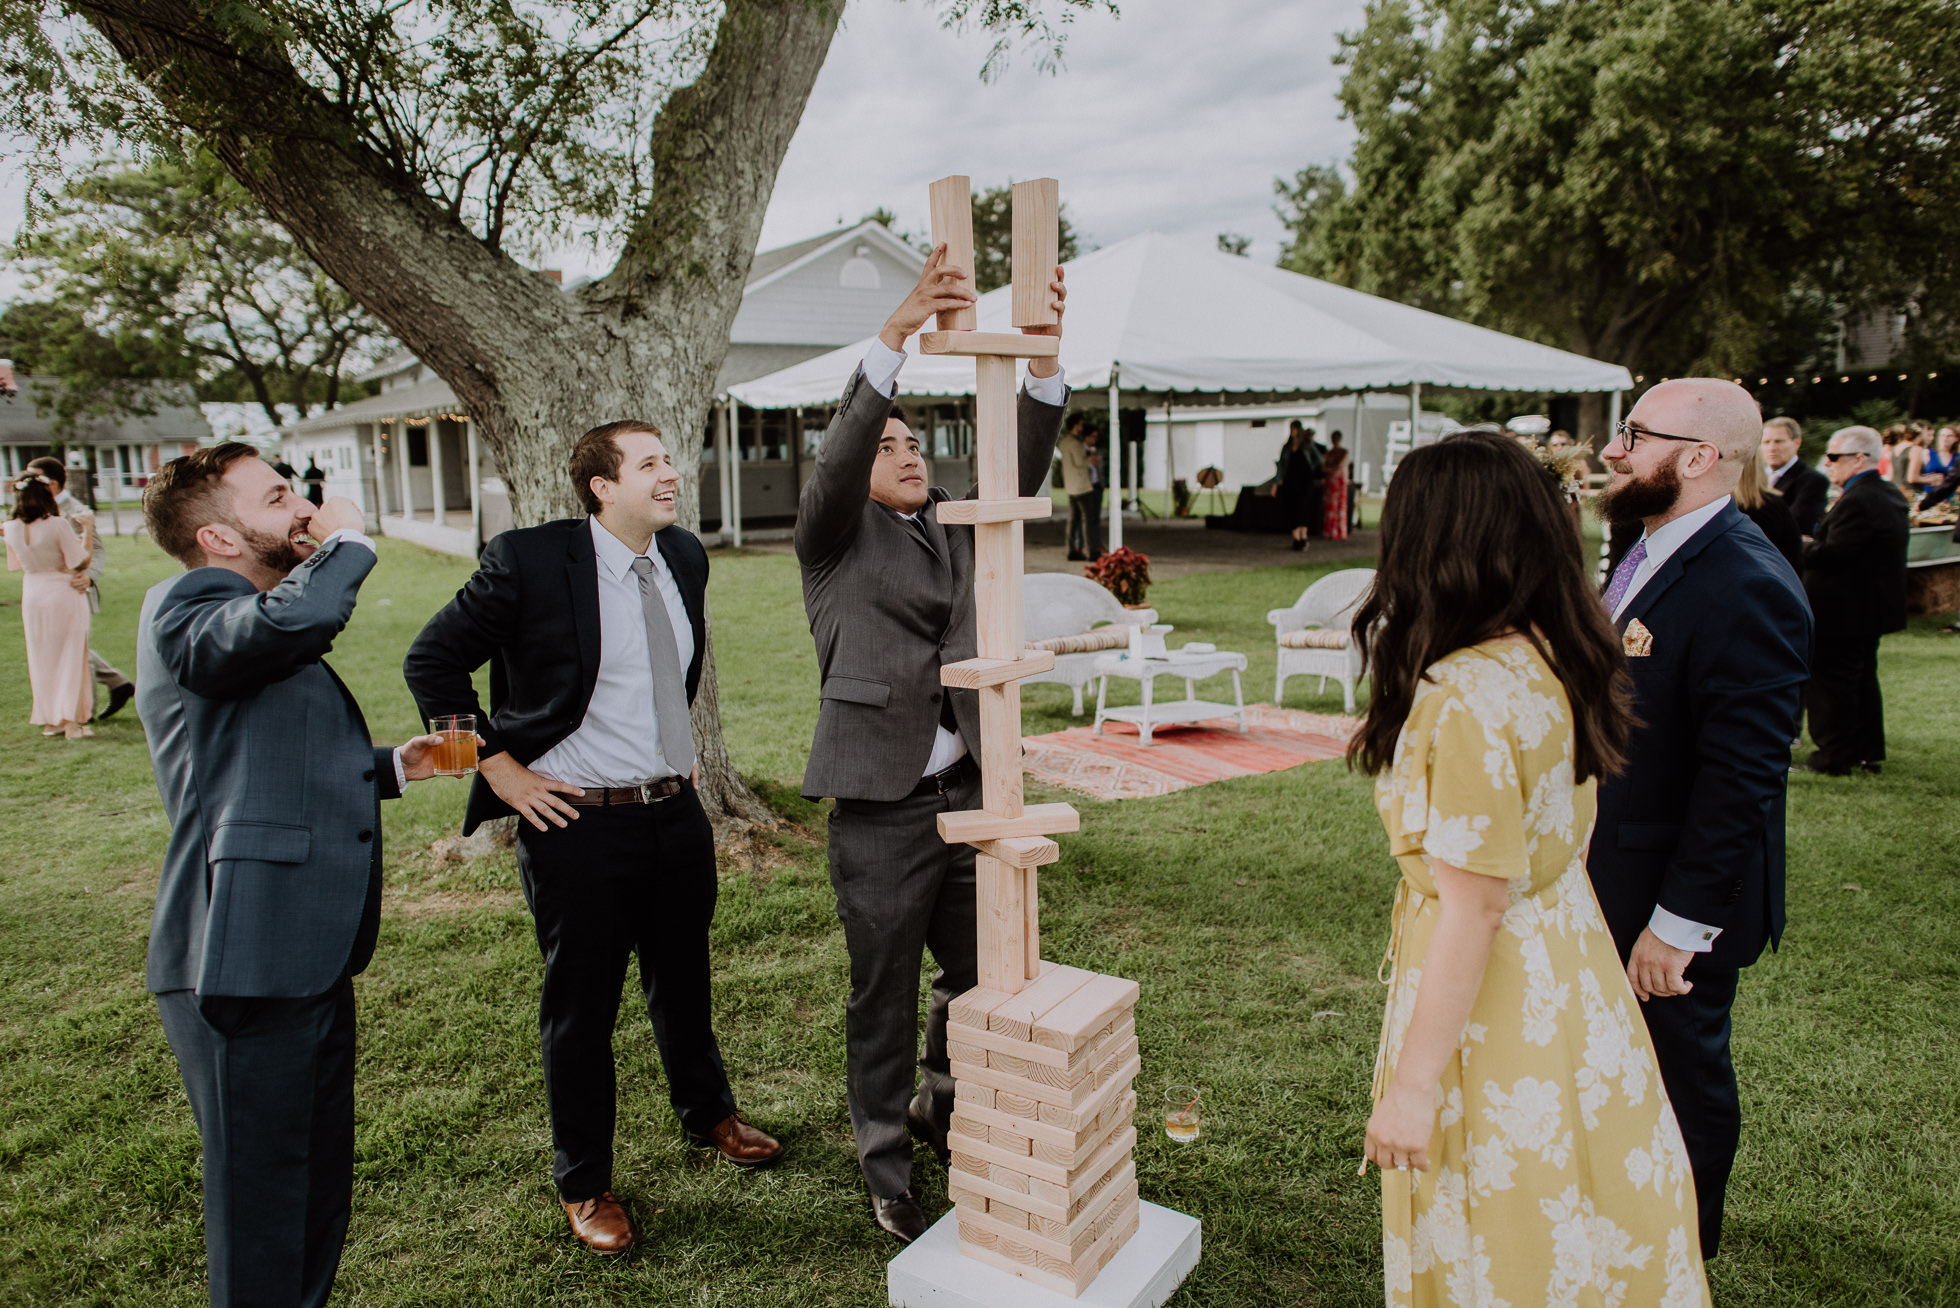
734	510
1113	461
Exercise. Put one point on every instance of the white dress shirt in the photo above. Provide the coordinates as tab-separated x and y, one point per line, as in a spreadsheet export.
881	365
1672	928
618	743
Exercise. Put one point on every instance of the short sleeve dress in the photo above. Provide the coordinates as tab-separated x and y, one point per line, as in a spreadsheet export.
1557	1173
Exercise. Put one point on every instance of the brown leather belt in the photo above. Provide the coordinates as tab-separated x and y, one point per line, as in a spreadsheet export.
647	792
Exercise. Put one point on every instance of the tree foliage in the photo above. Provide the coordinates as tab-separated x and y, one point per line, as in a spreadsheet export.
1671	185
178	256
102	370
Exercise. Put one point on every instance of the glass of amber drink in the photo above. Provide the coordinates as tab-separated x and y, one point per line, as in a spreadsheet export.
456	755
1181	1113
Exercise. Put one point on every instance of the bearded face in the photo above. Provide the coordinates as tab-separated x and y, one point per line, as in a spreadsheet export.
1639	498
275	552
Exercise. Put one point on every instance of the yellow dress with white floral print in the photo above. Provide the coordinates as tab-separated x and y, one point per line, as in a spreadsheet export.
1557	1174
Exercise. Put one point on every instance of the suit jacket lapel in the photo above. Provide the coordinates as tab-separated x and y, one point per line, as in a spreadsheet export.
688	580
582	581
1677	563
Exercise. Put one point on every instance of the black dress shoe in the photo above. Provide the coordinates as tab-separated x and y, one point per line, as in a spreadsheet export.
1817	770
901	1215
920	1124
1077	556
1873	768
118	697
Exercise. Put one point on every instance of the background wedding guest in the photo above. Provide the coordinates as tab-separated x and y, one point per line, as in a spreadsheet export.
1687	854
1296	483
1765	506
1334	489
315	481
1498	698
82	518
1938	462
1855	574
1803	488
1081	482
53	609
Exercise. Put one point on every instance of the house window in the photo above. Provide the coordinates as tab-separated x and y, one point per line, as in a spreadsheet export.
859	273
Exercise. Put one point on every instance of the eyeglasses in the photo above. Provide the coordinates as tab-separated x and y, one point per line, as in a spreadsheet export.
1844	454
1628	435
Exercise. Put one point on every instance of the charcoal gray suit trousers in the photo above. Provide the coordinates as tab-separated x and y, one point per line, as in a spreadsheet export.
900	890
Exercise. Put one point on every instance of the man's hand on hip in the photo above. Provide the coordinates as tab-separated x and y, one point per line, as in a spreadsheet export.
942	288
533	796
1657	968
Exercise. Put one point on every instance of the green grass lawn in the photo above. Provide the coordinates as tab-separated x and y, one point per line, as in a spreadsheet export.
1252	912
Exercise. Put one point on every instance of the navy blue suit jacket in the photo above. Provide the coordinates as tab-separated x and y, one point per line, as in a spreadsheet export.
532	613
1695	822
271	883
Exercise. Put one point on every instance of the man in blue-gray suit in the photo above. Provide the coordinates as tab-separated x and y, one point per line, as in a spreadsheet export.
1687	851
270	896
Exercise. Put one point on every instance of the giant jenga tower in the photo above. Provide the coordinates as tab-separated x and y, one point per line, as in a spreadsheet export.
1042	1180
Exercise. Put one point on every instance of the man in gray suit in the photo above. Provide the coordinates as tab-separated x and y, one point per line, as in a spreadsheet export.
270	895
889	592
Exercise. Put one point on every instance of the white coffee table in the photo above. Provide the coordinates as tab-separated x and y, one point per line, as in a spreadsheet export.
1153	713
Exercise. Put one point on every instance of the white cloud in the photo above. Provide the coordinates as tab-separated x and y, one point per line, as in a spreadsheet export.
1175	117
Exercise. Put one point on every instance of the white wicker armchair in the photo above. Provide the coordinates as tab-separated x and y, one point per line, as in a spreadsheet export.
1315	635
1059	610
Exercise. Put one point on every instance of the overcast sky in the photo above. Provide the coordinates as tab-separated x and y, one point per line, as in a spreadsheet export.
1175	117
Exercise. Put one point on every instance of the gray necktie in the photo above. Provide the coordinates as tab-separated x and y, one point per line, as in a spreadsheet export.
669	678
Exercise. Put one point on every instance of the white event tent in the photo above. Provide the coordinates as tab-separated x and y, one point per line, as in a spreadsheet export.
1168	317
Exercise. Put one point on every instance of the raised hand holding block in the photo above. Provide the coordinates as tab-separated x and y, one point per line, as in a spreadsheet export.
951	202
1037	246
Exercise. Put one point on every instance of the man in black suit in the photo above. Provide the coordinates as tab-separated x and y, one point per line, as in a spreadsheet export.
269	901
594	629
1803	488
1687	851
1855	574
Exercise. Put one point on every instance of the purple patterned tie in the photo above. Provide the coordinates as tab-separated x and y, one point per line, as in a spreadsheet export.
1623	575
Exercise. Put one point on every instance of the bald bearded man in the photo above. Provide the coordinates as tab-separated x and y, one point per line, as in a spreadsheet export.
1687	853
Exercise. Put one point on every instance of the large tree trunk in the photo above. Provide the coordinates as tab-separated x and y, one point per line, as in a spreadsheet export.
534	366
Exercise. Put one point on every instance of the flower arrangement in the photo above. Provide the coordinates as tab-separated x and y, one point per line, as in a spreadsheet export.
1123	573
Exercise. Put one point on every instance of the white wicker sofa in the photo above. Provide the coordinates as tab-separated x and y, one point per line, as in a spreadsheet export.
1065	614
1315	635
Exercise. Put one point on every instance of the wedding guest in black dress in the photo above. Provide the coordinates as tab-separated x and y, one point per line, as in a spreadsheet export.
1297	484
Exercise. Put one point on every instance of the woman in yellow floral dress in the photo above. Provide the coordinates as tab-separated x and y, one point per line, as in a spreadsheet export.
1528	1152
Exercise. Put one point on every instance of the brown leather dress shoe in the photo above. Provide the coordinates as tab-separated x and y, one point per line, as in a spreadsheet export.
740	1143
601	1224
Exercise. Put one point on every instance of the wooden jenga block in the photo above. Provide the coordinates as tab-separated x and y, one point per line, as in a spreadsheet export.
965	1122
972	674
1010	1142
971	1008
1000	892
1022	851
1036	248
1074	1097
1009	1104
1000	780
950	200
1008	1215
1078	1117
961	1052
968	513
1010	345
973	825
1089	1009
1070	1244
1015	1016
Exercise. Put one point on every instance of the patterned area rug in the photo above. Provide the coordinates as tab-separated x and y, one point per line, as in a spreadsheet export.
1117	765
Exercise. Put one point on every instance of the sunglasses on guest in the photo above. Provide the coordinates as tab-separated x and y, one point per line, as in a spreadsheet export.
1844	454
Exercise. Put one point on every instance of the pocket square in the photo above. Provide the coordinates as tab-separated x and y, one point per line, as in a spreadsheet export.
1638	642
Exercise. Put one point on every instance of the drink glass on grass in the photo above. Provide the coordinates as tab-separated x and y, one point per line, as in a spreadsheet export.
456	755
1181	1113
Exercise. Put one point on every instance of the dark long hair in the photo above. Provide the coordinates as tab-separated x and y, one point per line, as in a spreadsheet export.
1476	542
32	499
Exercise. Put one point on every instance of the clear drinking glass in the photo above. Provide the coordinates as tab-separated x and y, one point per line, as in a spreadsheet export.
1181	1113
456	755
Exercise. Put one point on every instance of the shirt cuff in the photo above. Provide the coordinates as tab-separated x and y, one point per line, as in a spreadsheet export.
358	537
401	773
881	365
1673	929
1049	390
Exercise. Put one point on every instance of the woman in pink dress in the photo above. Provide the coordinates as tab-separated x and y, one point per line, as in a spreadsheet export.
1334	490
55	614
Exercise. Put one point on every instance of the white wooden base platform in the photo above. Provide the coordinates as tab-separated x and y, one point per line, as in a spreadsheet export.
933	1273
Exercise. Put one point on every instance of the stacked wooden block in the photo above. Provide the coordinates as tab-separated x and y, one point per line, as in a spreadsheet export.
1045	1124
1044	1056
